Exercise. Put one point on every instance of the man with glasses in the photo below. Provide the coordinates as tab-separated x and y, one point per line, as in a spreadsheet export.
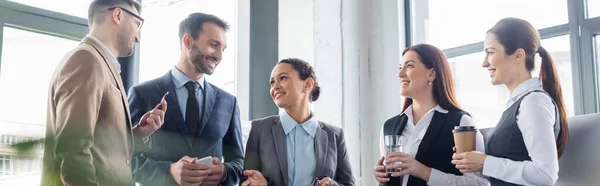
139	20
90	138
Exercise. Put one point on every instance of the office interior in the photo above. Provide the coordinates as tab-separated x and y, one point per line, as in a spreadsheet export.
354	45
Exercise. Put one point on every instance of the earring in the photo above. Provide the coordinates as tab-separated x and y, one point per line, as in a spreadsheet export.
429	82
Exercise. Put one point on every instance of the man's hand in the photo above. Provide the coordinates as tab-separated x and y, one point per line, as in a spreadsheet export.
153	120
186	172
255	178
216	173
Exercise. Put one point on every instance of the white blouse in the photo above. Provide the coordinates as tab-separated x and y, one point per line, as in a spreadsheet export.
535	119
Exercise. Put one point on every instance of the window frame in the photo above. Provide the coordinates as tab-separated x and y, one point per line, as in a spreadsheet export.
7	168
581	31
27	18
37	20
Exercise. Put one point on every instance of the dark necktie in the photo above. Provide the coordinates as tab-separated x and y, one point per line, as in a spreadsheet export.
192	110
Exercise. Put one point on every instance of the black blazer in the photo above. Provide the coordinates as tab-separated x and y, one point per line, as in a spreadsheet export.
220	137
435	150
266	152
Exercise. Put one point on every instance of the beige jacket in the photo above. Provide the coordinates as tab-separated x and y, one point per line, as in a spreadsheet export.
89	136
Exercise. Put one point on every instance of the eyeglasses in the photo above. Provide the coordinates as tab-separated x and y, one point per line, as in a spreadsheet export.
140	21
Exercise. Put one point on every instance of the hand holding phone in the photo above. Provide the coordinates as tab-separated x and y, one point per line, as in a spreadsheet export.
163	98
206	161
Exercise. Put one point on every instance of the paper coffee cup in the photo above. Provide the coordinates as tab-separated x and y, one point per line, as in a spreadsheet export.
464	138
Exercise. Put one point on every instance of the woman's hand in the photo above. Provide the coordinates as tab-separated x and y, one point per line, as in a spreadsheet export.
469	161
326	181
408	164
380	173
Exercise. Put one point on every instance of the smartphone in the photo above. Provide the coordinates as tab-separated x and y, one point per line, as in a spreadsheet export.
206	161
163	98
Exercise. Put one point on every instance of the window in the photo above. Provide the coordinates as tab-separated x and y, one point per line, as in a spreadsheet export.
16	74
460	22
432	23
12	139
593	12
77	8
8	139
160	52
26	78
5	166
4	139
26	165
473	86
560	51
39	145
597	57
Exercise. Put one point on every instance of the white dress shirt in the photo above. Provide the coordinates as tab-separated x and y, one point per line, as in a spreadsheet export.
535	119
413	135
111	55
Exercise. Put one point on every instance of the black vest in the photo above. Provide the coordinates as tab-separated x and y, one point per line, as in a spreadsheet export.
507	140
435	150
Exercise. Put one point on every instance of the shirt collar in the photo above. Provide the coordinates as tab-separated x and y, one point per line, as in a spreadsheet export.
408	111
527	86
310	126
112	57
180	79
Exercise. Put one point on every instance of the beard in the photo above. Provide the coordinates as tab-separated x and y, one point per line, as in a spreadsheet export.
124	45
200	61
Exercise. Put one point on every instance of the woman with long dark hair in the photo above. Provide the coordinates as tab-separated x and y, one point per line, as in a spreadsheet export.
429	115
532	133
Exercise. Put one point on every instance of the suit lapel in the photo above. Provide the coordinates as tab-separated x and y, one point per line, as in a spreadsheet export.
321	142
117	78
436	125
164	85
280	147
210	95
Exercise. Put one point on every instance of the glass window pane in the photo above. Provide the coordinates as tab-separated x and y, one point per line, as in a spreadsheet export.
597	57
5	166
593	12
25	79
77	8
560	50
159	50
459	22
473	87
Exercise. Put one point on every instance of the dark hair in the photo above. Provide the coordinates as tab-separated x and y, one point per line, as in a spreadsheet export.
514	34
305	71
192	24
98	7
443	86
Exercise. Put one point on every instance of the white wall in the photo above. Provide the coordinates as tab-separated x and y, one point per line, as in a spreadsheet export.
338	73
296	29
383	98
328	60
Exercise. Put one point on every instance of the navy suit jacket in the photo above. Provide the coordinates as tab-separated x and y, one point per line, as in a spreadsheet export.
220	137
